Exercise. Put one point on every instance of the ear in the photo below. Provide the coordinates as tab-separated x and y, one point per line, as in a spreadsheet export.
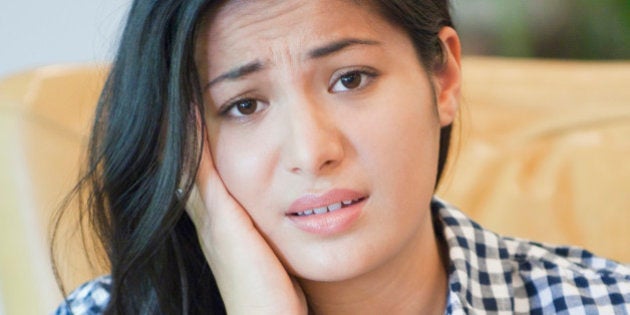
447	77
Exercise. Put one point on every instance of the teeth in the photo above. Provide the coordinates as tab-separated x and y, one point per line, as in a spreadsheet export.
320	210
334	206
324	209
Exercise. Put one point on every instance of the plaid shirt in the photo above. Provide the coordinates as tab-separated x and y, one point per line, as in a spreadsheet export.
488	274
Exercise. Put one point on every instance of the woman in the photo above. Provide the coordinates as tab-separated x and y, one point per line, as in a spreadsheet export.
315	132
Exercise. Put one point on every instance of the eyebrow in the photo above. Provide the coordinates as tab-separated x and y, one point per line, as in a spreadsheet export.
319	52
339	45
237	73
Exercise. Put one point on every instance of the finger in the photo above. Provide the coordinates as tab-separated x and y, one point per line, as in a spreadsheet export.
206	169
207	178
219	205
208	184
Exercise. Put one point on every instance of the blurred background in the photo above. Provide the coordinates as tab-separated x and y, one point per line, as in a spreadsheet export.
569	29
38	32
35	33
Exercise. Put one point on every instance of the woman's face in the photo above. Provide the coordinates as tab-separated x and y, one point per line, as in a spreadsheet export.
324	126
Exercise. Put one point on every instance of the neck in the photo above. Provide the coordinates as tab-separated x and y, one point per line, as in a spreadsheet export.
413	282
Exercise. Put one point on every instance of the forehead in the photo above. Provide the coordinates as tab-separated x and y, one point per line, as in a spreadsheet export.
269	17
243	30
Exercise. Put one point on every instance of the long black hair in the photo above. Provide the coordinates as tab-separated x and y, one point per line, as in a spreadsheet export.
145	149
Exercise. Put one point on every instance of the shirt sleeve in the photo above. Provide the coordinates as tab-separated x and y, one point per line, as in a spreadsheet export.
91	298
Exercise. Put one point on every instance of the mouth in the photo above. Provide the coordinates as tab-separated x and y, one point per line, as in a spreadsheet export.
328	208
330	213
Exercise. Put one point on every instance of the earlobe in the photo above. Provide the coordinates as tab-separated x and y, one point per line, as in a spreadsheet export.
447	76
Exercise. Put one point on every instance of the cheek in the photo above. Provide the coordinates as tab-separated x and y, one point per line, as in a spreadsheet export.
401	144
240	166
408	153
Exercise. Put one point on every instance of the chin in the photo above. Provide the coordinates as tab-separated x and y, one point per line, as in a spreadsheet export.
329	273
325	264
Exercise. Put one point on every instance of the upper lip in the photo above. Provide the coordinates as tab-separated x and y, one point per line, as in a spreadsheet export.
311	201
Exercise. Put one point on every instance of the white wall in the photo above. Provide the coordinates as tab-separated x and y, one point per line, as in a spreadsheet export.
41	32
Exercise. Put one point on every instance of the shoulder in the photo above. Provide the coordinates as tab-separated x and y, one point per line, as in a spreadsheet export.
489	272
566	277
91	298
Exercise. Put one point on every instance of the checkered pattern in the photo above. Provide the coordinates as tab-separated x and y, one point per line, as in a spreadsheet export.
90	298
488	274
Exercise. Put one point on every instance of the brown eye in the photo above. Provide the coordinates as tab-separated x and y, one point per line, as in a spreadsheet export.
243	107
246	107
351	80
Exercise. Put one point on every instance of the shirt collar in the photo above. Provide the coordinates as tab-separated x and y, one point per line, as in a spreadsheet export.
480	271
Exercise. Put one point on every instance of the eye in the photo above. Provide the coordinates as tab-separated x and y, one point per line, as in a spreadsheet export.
352	80
242	108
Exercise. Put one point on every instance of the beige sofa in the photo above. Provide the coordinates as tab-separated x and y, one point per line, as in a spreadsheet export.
544	153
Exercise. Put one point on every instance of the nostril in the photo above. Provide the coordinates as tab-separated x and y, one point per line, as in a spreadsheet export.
328	163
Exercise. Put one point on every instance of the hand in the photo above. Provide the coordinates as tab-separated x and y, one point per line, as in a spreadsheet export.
249	275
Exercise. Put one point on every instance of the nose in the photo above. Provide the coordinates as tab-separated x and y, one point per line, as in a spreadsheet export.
314	144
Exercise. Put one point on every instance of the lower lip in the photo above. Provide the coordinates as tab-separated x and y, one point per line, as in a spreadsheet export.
329	223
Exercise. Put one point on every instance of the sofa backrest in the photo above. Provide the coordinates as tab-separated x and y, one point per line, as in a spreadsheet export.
542	153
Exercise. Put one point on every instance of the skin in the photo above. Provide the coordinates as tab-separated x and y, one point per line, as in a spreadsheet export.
309	133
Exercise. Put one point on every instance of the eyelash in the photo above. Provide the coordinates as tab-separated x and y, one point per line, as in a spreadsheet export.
366	74
231	105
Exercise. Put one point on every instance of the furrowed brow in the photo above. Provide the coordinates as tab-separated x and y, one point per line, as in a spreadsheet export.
319	52
337	46
237	73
